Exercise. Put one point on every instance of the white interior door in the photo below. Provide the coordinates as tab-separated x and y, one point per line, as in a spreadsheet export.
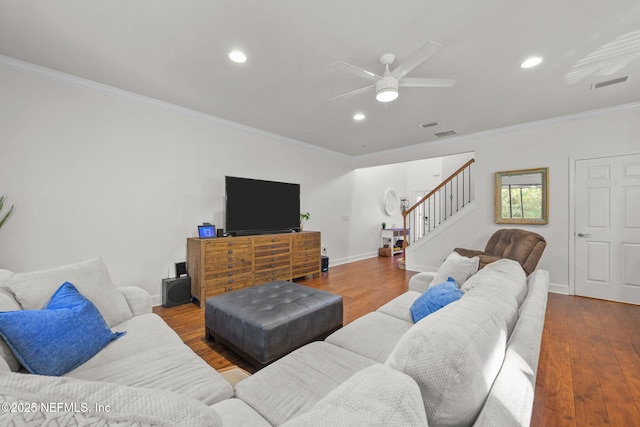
607	228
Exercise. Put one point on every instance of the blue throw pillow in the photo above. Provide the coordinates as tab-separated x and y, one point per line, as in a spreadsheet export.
434	299
57	339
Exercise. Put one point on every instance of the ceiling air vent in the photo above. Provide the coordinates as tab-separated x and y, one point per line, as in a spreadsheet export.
428	125
609	82
445	133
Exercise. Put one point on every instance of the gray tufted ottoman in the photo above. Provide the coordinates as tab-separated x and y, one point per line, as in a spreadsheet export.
265	322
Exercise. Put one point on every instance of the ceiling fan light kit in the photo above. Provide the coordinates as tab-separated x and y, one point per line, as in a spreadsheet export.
386	86
387	89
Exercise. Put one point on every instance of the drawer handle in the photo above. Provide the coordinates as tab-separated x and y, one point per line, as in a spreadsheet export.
273	266
273	272
230	281
230	273
230	266
273	259
230	258
230	251
229	288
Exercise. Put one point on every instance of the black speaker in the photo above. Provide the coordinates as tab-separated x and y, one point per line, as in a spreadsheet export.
176	291
325	263
220	232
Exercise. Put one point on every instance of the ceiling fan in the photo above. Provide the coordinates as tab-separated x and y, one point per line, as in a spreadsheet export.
386	86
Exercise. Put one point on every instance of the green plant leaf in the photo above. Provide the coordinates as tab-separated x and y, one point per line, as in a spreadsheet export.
6	216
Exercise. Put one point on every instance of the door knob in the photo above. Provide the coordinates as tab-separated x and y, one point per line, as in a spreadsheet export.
584	234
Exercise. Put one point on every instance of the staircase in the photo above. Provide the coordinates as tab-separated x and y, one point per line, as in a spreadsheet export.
441	204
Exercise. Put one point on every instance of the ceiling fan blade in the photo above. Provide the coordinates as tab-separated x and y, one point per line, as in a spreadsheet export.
353	92
409	82
416	59
360	72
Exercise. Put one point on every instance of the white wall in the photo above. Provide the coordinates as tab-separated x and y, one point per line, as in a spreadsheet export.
554	144
100	173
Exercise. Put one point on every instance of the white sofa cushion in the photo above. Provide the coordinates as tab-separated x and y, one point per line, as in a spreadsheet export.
455	354
234	412
75	402
152	355
504	275
374	397
5	275
399	306
293	384
373	335
34	289
8	303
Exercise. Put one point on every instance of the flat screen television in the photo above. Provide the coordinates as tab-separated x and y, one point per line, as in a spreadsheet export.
255	206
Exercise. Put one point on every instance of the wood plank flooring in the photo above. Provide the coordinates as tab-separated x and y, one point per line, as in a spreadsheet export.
589	369
364	286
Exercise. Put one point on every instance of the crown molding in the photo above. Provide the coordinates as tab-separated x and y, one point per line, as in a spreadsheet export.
506	129
69	79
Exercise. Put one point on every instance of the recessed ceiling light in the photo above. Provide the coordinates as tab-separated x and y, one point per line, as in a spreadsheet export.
531	62
237	56
358	117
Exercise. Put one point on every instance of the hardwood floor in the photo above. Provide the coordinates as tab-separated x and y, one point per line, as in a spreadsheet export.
364	286
589	368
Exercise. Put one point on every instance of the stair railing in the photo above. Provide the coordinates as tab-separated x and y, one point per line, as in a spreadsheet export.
450	196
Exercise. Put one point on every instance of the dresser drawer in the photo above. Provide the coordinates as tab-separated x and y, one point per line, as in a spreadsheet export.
227	284
272	249
305	269
212	272
272	261
280	273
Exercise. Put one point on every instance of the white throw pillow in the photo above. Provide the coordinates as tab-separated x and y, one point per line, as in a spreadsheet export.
34	289
458	267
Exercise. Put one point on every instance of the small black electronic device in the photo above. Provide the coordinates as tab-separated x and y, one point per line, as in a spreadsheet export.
181	269
220	232
206	231
176	291
324	263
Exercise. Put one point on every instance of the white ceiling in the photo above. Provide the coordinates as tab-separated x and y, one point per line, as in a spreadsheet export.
176	51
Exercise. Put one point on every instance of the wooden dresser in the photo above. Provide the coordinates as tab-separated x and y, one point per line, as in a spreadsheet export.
226	264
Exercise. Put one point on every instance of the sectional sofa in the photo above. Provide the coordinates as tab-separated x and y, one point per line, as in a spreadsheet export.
472	362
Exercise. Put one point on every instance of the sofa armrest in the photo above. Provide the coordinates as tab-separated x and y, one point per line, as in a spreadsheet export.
469	253
421	281
138	299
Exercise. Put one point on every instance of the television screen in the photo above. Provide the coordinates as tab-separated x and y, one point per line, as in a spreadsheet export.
257	206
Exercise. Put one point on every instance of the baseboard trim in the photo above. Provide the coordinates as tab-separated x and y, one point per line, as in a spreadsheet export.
558	289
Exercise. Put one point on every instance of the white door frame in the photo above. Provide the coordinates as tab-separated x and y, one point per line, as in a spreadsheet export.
572	210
